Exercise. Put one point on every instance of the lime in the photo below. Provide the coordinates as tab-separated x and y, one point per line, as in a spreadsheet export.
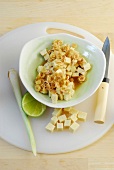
31	106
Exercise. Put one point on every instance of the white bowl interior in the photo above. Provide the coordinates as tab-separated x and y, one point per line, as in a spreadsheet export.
30	59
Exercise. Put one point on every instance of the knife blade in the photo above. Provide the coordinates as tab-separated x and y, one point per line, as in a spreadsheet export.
106	50
102	95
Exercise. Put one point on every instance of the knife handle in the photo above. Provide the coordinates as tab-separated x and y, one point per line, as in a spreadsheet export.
101	103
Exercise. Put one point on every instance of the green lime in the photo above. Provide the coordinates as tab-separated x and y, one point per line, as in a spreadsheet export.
31	106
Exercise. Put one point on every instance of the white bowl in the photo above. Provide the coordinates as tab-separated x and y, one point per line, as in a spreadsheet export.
30	59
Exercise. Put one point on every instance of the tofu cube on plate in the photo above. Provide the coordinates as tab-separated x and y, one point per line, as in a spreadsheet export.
50	127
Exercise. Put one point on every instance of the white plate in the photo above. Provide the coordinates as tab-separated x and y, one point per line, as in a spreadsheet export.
12	128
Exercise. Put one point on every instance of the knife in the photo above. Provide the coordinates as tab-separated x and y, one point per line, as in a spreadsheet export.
101	103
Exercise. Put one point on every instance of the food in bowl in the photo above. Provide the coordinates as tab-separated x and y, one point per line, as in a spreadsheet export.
61	73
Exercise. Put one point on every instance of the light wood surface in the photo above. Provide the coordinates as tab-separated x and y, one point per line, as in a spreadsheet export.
96	17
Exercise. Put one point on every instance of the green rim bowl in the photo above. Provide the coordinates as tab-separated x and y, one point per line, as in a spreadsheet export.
30	58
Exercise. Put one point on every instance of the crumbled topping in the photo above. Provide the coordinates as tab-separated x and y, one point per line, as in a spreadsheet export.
63	65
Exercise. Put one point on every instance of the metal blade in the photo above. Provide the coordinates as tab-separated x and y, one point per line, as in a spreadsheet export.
106	50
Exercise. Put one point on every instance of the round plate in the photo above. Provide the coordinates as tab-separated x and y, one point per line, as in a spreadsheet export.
12	128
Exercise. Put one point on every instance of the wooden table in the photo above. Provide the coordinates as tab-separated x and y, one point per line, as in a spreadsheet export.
96	17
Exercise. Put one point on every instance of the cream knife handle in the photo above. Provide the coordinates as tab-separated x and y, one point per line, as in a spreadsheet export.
101	103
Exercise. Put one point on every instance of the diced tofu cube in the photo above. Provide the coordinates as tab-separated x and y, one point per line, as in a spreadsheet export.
64	71
81	71
40	68
67	123
57	112
43	52
73	69
73	117
54	63
67	60
69	73
54	120
46	56
59	126
50	127
62	118
47	65
87	66
75	74
73	111
67	97
74	126
54	98
72	92
71	85
82	116
74	62
69	68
